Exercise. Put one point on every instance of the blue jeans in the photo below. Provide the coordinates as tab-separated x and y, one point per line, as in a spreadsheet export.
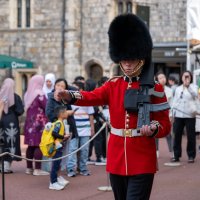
72	160
55	166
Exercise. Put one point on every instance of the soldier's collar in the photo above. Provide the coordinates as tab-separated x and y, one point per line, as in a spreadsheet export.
132	79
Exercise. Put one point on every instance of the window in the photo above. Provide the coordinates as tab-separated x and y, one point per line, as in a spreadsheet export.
120	7
19	13
124	6
143	12
129	7
28	13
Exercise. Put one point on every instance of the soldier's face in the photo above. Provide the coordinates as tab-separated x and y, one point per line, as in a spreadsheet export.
129	66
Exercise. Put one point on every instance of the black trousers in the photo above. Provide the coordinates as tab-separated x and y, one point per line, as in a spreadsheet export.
179	124
136	187
96	143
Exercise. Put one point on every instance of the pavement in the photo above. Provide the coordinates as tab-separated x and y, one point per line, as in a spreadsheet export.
177	183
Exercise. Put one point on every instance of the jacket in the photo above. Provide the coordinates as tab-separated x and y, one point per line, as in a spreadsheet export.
127	155
183	100
50	106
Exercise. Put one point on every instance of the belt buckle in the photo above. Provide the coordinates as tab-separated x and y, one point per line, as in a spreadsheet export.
128	132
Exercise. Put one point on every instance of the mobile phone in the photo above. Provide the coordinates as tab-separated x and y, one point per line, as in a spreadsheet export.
76	109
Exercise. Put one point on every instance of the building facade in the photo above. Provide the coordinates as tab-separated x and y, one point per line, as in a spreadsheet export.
69	37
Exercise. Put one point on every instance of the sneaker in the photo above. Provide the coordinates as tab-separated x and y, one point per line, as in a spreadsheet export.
90	162
85	173
71	173
175	160
39	172
191	160
99	162
29	171
62	181
55	186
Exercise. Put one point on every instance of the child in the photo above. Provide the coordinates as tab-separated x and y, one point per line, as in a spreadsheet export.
58	183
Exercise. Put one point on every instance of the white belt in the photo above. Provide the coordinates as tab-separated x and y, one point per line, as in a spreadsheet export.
125	132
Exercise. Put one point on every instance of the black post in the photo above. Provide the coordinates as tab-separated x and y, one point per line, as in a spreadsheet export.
63	37
10	68
2	169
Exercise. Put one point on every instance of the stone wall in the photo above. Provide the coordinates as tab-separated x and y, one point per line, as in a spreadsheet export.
96	18
168	20
86	27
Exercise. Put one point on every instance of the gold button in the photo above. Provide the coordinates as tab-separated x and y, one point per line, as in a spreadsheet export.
127	120
127	125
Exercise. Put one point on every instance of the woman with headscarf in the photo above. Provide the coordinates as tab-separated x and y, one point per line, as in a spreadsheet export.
11	109
49	82
35	102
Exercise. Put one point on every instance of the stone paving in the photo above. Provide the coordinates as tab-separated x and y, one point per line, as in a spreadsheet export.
177	183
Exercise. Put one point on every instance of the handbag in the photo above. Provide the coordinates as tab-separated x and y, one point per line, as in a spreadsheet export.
195	106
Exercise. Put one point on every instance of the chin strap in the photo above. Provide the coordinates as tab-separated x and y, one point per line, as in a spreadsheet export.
137	70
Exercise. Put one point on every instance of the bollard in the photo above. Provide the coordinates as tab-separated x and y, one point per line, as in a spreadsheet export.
106	188
2	168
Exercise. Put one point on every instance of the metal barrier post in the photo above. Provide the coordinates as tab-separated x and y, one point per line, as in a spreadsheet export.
108	187
2	169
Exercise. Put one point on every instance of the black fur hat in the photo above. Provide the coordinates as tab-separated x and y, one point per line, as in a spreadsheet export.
129	39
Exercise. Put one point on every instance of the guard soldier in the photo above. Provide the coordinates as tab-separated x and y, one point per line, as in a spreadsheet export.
138	109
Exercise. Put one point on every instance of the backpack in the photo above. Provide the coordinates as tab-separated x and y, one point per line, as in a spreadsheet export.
47	144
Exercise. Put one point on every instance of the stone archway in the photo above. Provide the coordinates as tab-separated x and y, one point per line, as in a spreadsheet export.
93	69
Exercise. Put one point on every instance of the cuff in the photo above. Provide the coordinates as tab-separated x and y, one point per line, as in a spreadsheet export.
157	124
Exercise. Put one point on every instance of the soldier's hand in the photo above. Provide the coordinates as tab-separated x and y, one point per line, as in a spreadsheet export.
64	95
147	130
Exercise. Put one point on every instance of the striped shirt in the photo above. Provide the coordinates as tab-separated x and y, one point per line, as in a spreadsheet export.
82	119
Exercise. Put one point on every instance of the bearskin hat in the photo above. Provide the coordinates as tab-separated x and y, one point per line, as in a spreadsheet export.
129	39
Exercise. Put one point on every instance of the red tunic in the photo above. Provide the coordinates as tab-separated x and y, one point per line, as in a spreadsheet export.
127	155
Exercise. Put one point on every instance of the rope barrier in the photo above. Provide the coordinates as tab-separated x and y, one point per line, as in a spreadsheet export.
189	115
65	156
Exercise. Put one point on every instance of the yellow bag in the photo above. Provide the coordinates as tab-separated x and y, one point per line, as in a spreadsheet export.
47	145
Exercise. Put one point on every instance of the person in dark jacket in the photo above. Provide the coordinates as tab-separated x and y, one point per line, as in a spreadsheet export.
52	103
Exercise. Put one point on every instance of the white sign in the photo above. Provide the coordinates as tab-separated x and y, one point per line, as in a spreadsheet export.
18	65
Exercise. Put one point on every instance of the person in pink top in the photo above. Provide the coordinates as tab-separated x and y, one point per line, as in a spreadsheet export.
35	103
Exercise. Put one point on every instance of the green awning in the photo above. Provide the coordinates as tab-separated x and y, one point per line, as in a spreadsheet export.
12	62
